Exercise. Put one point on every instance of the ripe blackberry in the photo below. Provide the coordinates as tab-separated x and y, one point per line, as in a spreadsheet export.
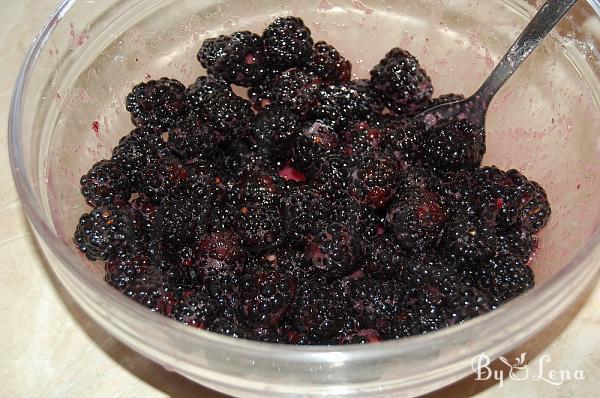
371	104
318	139
105	183
266	296
260	225
384	258
401	82
202	184
330	176
446	99
196	308
416	218
303	209
536	208
219	253
197	93
157	103
124	267
104	231
237	59
365	222
229	114
402	138
494	196
318	311
466	303
287	260
364	336
327	64
505	277
159	178
136	150
361	137
334	251
181	222
276	129
454	187
293	89
144	215
373	181
515	242
191	142
469	238
288	43
377	304
153	290
229	326
260	186
338	105
453	145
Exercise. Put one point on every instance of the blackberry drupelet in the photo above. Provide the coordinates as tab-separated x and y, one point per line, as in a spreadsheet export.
334	251
144	215
364	221
229	326
375	303
515	242
287	260
105	183
401	82
536	208
338	105
158	103
104	231
293	89
237	59
288	43
402	138
327	64
153	290
373	181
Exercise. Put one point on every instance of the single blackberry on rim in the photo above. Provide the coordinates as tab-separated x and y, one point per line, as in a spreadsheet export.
196	308
505	277
303	209
334	251
327	64
276	129
219	253
137	149
468	237
318	311
197	93
157	103
288	43
515	242
402	83
105	183
329	176
417	219
318	139
104	232
191	142
229	114
238	58
125	267
181	223
267	296
384	258
373	181
260	225
159	178
453	145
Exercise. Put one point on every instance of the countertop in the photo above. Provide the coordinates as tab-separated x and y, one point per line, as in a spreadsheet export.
51	348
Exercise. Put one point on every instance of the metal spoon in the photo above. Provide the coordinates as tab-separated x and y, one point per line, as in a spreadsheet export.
475	107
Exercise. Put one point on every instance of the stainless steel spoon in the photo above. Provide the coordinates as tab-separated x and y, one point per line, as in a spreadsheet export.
475	107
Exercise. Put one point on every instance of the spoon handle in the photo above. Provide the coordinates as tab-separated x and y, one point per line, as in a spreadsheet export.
543	22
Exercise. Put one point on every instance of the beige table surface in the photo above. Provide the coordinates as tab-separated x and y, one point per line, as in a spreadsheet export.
50	348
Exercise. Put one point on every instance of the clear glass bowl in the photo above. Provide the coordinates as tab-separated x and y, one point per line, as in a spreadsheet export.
545	122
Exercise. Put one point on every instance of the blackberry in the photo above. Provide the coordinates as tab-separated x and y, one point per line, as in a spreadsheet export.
266	296
125	267
219	253
402	138
446	99
384	258
191	142
303	210
105	183
237	59
181	222
288	260
515	242
466	303
454	187
276	129
401	82
202	184
494	197
293	89
371	104
330	177
136	150
469	238
229	326
536	208
197	93
153	290
288	43
334	251
144	215
159	178
364	221
196	308
364	336
318	139
377	304
373	181
260	225
338	105
328	65
157	103
453	145
318	311
505	277
417	219
362	137
229	114
104	231
260	186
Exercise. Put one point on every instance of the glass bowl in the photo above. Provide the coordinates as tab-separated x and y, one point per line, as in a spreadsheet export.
68	112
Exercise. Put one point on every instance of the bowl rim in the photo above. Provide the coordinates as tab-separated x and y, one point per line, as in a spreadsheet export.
512	310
